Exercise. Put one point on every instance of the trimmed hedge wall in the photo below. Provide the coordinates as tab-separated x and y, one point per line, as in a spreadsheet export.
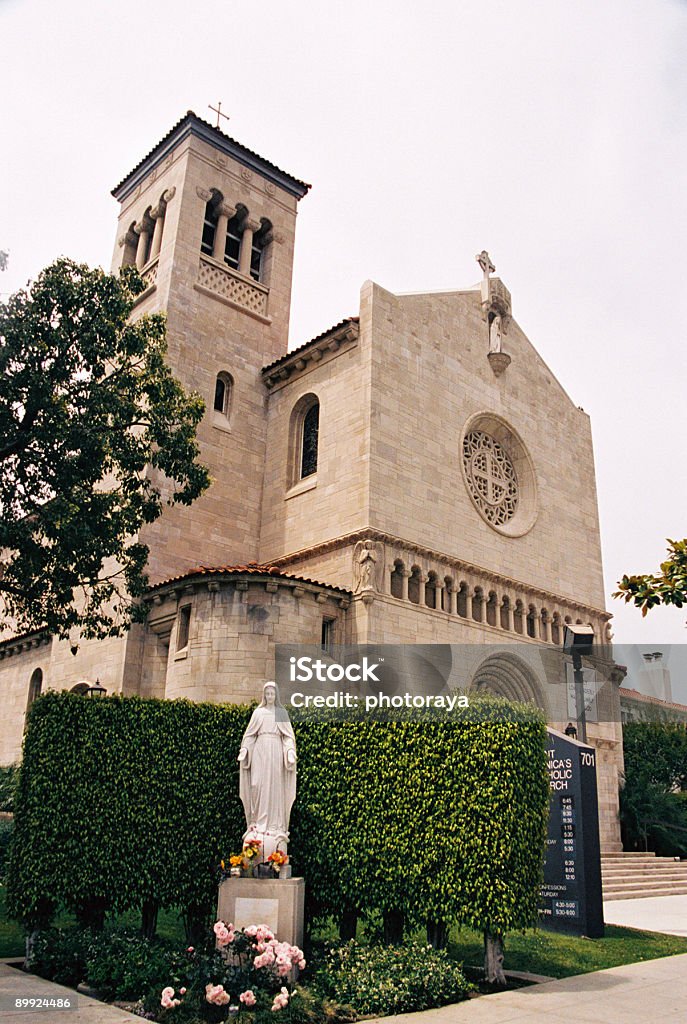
125	802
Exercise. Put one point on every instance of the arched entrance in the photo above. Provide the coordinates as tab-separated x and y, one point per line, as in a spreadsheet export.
507	675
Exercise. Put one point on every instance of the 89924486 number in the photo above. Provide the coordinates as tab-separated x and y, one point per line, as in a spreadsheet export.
38	1003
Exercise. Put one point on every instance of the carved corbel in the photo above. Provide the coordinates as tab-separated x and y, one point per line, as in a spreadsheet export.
204	194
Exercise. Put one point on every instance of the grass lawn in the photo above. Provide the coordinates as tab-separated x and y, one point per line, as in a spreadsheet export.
542	952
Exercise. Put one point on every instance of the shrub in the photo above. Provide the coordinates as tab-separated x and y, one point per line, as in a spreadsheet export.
9	777
61	955
122	965
392	979
6	832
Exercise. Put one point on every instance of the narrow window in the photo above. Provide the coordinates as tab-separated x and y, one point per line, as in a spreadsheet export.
183	625
220	392
261	239
327	638
209	227
311	428
232	246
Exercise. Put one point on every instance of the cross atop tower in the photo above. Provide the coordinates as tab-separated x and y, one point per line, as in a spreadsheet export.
218	111
488	268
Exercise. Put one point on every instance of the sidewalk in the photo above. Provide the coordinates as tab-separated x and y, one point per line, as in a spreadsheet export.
16	984
667	914
655	990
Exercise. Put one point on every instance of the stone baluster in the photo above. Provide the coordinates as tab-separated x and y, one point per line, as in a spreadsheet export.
249	229
143	233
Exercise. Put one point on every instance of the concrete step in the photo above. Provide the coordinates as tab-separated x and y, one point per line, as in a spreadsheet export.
662	872
644	892
624	854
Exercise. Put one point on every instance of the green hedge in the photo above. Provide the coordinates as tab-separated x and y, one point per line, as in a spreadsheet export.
124	801
653	801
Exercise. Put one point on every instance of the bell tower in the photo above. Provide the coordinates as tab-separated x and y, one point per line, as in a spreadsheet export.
211	227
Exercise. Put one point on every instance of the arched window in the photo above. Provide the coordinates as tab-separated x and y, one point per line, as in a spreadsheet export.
309	440
35	686
224	388
304	428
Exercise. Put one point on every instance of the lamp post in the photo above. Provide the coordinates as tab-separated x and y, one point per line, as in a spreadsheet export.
96	690
577	641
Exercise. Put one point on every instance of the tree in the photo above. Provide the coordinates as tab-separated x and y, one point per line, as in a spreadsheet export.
92	421
669	586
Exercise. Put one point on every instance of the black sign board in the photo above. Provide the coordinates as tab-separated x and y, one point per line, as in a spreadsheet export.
571	893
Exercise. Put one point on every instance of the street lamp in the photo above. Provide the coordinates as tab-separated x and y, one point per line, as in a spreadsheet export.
96	690
578	640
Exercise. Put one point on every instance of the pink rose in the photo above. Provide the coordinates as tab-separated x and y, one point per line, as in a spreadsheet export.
189	949
182	991
248	997
216	995
301	964
167	1000
251	931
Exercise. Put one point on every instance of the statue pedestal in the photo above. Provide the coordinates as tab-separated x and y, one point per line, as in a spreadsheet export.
276	902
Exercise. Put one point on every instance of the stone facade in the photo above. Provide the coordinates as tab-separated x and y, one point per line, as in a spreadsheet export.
454	496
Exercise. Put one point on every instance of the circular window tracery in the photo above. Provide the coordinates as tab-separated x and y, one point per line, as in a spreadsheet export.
491	477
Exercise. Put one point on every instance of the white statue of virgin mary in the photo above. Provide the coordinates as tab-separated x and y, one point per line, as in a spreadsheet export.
267	776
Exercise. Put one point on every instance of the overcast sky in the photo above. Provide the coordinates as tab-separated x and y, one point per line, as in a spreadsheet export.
551	133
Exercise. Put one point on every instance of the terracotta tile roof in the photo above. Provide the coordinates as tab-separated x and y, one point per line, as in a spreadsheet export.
349	320
251	569
625	691
30	638
189	121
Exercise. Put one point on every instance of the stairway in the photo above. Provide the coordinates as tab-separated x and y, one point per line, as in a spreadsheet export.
636	876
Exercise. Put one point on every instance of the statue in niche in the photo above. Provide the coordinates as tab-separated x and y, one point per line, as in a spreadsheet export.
495	334
267	773
364	565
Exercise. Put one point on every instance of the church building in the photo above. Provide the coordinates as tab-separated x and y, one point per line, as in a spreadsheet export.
413	474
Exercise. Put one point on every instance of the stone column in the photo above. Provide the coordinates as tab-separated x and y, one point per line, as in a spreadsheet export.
547	628
249	229
405	576
511	616
422	584
143	236
483	608
453	599
468	602
219	245
158	215
536	621
438	598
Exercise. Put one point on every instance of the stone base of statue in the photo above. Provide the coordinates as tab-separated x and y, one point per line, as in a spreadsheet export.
499	361
278	903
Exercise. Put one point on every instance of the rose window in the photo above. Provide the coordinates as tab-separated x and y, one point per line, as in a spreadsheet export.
491	477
